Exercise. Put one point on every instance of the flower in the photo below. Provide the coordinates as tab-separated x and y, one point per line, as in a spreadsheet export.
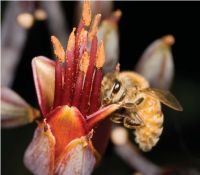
156	63
68	92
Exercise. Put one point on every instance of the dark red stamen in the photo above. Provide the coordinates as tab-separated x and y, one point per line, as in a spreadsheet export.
96	90
68	79
77	46
58	84
78	89
69	71
83	65
88	80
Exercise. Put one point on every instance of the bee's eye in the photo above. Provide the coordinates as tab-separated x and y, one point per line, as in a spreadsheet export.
116	86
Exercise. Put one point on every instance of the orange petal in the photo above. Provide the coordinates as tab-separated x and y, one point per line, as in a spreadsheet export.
67	124
77	158
15	111
39	156
44	78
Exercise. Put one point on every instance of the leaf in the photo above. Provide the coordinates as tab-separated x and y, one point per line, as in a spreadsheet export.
15	111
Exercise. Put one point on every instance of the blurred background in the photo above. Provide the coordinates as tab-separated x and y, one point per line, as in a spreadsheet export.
141	23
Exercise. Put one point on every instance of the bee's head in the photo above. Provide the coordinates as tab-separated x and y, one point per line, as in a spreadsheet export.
115	93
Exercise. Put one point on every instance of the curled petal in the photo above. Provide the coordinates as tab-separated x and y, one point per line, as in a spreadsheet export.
15	111
39	156
44	78
108	32
77	158
156	63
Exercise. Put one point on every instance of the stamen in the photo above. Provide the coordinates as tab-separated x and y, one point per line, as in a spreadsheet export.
84	63
96	87
83	66
100	56
58	49
83	42
60	54
77	46
94	27
88	80
58	84
86	14
69	70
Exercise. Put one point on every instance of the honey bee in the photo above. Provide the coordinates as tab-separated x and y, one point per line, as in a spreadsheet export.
141	107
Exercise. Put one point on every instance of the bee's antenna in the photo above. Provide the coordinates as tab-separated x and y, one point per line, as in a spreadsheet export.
117	68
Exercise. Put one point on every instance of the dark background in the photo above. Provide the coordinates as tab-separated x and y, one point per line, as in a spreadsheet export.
141	23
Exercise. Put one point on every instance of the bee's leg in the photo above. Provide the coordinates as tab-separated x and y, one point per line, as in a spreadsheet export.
139	101
138	120
117	117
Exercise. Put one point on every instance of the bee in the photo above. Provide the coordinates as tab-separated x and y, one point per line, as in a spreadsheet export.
141	105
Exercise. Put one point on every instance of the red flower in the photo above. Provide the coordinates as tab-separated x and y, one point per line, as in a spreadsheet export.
68	93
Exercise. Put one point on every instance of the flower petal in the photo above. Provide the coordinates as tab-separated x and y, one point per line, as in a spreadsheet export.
156	63
78	158
44	78
108	32
95	118
66	124
15	111
39	156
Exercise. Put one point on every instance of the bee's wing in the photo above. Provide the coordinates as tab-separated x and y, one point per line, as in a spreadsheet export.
165	97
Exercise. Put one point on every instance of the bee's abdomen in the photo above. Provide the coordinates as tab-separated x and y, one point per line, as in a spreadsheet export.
148	135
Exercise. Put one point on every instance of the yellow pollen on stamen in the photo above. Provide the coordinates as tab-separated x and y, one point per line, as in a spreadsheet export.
58	49
168	40
71	41
100	60
81	37
86	14
94	27
84	62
